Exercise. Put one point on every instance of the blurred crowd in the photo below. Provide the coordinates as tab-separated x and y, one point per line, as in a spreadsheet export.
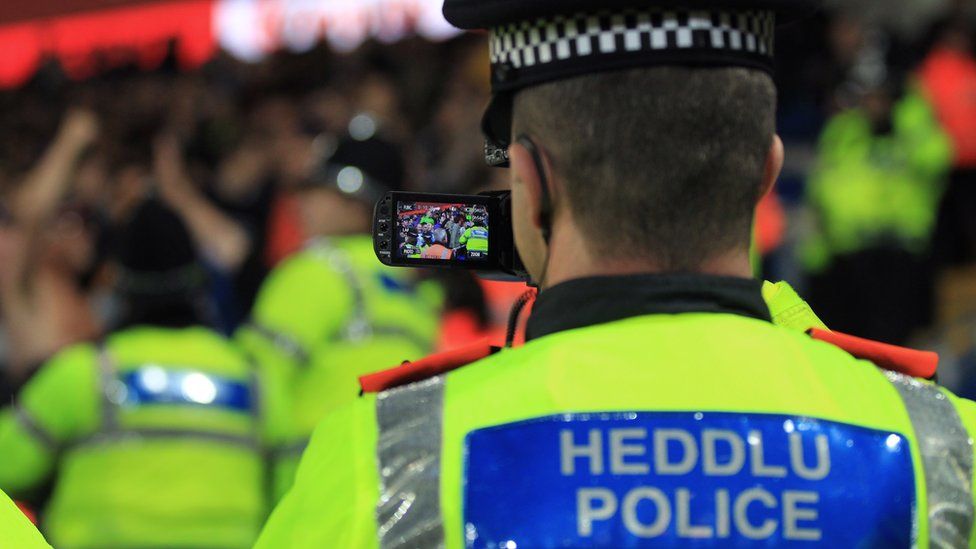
224	148
874	219
878	125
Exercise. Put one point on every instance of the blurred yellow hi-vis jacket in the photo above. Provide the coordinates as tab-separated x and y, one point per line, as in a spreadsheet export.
152	439
644	411
325	316
16	532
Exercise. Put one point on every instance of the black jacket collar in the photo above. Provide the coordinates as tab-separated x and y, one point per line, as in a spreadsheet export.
590	301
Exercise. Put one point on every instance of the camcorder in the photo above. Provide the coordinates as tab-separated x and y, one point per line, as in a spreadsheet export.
453	231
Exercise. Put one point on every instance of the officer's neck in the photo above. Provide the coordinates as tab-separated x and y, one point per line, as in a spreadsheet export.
570	259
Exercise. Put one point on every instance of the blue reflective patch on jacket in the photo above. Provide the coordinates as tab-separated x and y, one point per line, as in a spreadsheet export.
153	384
682	479
391	284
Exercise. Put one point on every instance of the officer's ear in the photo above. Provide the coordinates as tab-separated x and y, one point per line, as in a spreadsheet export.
774	166
527	183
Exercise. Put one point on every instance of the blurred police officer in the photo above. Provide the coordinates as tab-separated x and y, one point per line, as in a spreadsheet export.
151	437
475	238
331	312
654	403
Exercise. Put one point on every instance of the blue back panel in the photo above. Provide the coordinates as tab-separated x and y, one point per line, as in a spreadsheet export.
684	479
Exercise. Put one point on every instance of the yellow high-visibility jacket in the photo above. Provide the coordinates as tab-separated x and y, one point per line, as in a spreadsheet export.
644	411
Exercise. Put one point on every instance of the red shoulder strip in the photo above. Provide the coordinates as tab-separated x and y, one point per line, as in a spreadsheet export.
28	512
922	364
434	365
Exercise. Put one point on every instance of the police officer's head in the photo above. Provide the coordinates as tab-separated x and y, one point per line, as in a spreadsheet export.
338	198
160	281
640	134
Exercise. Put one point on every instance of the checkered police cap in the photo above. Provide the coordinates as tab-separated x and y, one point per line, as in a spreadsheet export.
538	41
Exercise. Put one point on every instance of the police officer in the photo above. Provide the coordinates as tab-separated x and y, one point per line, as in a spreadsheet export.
151	437
874	195
475	237
654	403
16	530
331	312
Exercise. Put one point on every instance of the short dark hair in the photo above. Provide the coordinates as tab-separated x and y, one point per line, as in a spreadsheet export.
662	163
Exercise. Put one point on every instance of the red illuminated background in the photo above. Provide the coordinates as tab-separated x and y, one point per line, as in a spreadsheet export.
120	29
85	36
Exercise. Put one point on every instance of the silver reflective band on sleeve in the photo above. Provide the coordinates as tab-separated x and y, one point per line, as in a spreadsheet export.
947	458
283	342
35	430
359	327
112	390
119	435
408	513
422	343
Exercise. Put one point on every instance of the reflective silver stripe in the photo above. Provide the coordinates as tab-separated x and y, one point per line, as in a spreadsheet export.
35	429
408	513
359	327
947	458
417	340
258	410
243	441
283	342
112	389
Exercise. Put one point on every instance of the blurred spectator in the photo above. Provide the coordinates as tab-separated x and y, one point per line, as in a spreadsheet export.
454	166
46	252
225	244
949	79
874	193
